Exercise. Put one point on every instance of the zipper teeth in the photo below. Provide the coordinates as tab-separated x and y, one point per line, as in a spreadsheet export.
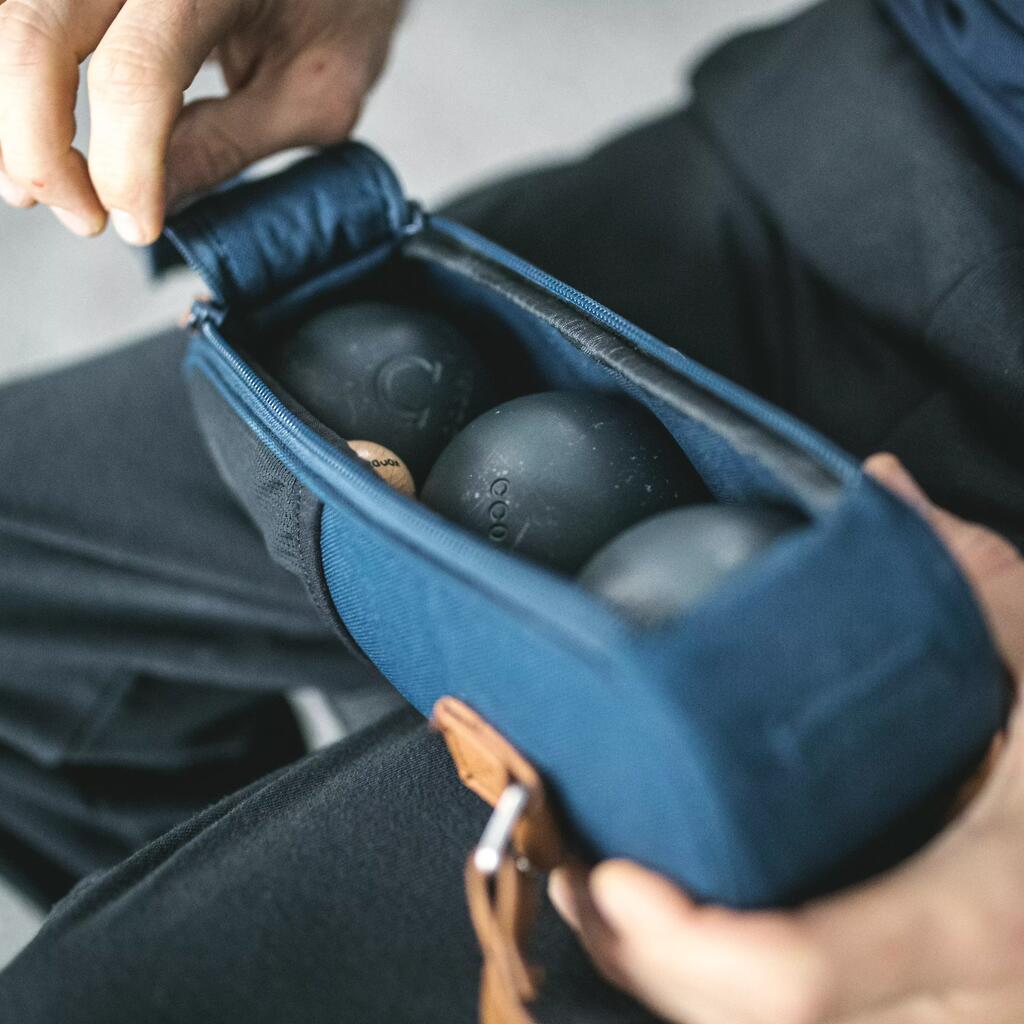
777	421
414	524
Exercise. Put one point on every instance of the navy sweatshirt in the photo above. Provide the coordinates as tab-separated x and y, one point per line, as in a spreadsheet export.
977	48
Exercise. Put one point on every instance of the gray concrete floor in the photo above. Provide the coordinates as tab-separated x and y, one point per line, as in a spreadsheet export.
473	89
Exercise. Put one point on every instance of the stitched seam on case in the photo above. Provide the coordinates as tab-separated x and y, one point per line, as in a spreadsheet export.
313	577
793	738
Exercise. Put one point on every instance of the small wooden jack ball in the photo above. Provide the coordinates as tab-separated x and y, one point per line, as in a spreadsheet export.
386	464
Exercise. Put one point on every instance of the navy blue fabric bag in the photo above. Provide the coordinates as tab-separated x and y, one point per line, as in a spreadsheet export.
797	729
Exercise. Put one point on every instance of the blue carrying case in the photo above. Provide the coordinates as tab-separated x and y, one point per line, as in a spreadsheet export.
805	724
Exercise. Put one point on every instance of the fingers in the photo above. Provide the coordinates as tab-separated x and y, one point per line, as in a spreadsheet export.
294	81
888	470
999	1006
998	804
948	920
992	565
137	79
696	965
215	140
11	192
563	898
41	45
912	945
980	551
568	888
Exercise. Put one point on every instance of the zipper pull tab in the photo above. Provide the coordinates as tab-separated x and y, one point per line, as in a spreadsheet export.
204	311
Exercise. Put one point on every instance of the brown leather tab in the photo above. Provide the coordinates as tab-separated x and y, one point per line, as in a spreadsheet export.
503	906
507	982
487	764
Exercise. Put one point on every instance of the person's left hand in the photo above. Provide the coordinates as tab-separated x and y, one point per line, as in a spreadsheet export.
297	73
938	940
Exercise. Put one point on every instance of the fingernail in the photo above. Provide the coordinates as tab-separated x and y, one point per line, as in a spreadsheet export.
604	896
74	222
127	227
562	897
621	890
13	194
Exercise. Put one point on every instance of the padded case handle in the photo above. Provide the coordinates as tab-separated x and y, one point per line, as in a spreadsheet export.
260	240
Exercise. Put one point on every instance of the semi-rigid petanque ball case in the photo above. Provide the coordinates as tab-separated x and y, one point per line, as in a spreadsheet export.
803	725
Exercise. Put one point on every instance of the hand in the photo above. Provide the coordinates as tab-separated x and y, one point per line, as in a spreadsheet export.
938	940
297	71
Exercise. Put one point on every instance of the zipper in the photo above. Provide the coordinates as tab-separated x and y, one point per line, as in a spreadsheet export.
340	479
844	468
555	603
841	465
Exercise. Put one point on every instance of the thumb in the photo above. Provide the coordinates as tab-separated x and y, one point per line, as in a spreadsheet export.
704	965
215	140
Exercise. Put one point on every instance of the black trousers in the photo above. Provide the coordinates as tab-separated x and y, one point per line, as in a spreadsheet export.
146	637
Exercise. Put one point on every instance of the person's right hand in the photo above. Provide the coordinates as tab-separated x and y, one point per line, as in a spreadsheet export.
297	71
938	939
